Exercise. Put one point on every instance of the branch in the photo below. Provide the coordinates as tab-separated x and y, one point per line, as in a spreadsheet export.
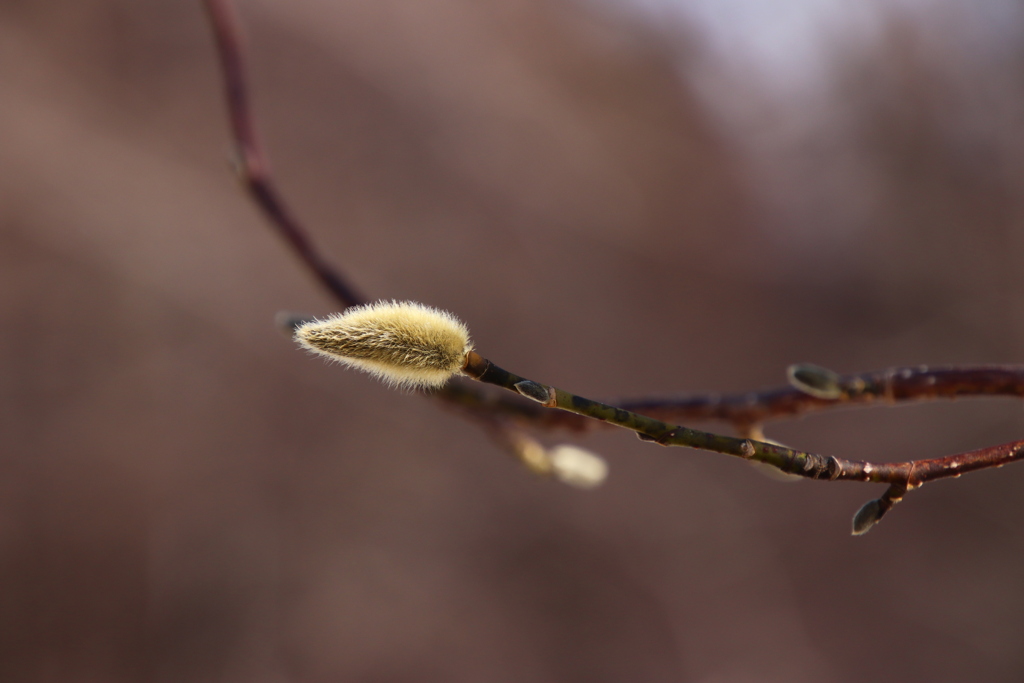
253	167
815	389
812	388
253	163
901	476
747	411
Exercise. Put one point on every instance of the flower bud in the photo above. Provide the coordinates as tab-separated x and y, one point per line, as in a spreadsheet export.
401	343
577	466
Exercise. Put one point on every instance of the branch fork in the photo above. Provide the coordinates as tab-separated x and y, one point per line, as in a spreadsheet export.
811	388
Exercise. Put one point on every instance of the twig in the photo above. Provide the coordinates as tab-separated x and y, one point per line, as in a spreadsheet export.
747	410
896	385
751	408
901	476
253	164
254	170
812	389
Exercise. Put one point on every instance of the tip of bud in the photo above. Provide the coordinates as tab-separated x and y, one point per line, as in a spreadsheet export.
400	342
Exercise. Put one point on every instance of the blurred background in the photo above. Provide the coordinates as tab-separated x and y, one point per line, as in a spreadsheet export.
621	198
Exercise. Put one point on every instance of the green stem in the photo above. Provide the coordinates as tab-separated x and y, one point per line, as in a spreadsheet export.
810	465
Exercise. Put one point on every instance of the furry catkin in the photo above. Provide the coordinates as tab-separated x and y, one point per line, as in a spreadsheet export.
400	342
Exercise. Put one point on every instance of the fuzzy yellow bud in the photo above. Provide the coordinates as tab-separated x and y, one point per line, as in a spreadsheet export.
400	342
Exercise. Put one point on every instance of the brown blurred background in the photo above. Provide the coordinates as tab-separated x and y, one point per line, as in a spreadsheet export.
621	203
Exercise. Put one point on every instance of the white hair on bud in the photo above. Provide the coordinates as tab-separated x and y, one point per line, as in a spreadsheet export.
402	343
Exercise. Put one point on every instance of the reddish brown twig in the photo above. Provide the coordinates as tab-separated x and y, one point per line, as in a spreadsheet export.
895	385
814	389
906	476
901	476
747	410
253	164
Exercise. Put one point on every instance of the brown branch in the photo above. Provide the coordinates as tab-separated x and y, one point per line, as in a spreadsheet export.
741	410
254	171
901	476
253	163
813	388
896	385
746	411
911	473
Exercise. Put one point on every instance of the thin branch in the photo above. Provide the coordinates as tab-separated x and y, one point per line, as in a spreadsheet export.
901	476
254	171
897	385
253	163
647	428
812	389
742	410
747	410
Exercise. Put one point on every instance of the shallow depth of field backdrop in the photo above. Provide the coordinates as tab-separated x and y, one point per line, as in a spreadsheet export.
618	198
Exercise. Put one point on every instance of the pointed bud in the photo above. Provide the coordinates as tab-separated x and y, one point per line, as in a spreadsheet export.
533	391
868	516
815	381
401	343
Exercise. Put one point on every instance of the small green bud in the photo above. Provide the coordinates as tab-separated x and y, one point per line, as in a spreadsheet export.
533	391
816	381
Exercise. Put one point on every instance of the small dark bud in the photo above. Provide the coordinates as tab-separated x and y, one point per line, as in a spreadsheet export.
533	391
815	381
869	515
